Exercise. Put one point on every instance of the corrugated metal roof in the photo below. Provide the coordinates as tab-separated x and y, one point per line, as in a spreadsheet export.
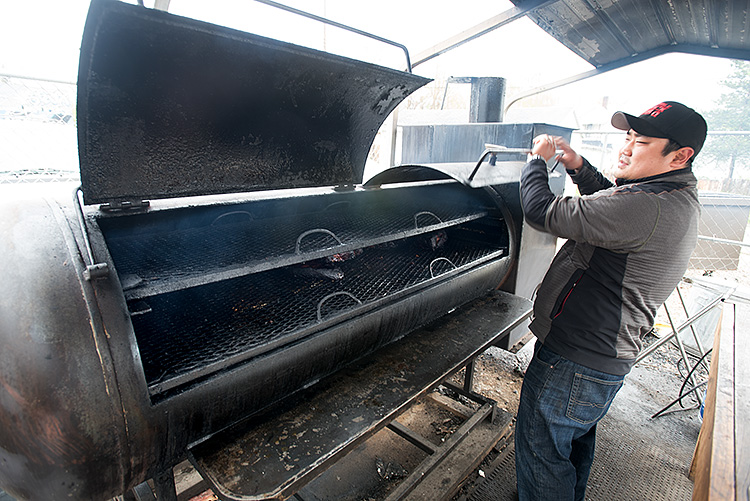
614	33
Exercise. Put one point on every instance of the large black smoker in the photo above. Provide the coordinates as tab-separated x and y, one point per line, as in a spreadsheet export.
221	253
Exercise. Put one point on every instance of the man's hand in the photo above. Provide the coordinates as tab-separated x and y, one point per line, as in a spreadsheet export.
544	145
569	158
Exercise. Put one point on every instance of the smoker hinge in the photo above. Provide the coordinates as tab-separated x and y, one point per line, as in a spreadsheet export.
125	205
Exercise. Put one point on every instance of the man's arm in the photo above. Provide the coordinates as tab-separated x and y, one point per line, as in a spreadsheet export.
584	175
536	196
588	179
598	217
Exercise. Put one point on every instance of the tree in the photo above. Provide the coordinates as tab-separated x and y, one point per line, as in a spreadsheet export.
731	113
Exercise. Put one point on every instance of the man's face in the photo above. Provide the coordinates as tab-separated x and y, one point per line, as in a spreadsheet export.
642	156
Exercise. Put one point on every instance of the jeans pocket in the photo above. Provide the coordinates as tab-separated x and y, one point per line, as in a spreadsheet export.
590	398
546	355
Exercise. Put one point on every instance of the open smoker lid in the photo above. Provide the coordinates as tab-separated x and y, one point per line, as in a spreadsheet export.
171	107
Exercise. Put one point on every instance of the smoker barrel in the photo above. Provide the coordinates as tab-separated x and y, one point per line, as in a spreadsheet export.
131	330
106	382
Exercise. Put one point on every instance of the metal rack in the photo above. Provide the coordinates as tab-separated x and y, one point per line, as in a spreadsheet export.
242	318
723	293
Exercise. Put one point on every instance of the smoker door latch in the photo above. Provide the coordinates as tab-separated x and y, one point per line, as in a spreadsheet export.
125	205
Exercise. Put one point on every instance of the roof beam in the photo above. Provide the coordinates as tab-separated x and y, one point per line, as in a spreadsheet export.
480	29
698	50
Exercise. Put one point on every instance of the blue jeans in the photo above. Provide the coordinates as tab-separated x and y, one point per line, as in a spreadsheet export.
561	402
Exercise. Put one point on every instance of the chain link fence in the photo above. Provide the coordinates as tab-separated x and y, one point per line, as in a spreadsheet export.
38	140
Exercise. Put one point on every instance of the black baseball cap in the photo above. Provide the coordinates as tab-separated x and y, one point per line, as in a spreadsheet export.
669	120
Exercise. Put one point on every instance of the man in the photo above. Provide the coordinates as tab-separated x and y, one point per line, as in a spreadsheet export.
628	246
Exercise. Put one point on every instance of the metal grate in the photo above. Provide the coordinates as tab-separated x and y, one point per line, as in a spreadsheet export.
187	334
627	466
167	261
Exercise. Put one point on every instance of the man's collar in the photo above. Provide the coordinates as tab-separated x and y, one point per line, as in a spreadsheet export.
620	182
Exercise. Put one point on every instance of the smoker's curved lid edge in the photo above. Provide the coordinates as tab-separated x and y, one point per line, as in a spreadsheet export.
172	107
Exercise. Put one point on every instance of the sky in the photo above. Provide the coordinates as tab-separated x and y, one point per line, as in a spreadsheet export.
41	39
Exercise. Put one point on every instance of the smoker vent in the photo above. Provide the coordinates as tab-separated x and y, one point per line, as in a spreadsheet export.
187	334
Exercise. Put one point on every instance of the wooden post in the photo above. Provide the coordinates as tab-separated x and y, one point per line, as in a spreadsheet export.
712	468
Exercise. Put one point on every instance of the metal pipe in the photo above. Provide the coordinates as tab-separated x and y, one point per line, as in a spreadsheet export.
723	241
675	332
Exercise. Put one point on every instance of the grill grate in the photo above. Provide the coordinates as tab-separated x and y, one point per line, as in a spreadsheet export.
194	332
239	244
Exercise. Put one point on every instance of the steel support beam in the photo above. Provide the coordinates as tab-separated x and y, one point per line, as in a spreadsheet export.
480	29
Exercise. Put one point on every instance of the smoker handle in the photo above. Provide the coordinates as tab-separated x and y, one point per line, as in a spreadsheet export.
93	269
310	232
342	26
493	150
424	213
432	274
329	296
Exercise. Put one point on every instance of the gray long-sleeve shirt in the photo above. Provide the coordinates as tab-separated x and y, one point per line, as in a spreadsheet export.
628	247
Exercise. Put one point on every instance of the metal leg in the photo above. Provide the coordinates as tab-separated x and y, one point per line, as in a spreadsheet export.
675	334
164	486
664	410
692	328
683	353
141	492
655	346
469	375
682	392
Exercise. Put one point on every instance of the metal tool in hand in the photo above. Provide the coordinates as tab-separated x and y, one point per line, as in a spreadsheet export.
493	150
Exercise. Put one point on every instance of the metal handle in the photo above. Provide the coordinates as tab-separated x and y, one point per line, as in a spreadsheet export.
310	232
342	26
335	205
232	213
494	150
93	269
432	274
424	213
329	296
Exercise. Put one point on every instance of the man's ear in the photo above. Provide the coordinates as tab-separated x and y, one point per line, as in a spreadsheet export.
681	157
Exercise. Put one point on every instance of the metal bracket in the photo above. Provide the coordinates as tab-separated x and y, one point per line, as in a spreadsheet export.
329	296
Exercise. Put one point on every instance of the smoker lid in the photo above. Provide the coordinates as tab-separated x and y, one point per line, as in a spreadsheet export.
171	107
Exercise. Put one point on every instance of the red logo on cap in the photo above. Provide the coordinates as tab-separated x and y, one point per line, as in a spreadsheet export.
657	110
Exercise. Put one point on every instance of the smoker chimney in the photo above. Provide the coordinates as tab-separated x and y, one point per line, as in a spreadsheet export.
487	99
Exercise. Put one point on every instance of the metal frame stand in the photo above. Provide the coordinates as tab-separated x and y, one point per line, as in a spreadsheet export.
675	335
